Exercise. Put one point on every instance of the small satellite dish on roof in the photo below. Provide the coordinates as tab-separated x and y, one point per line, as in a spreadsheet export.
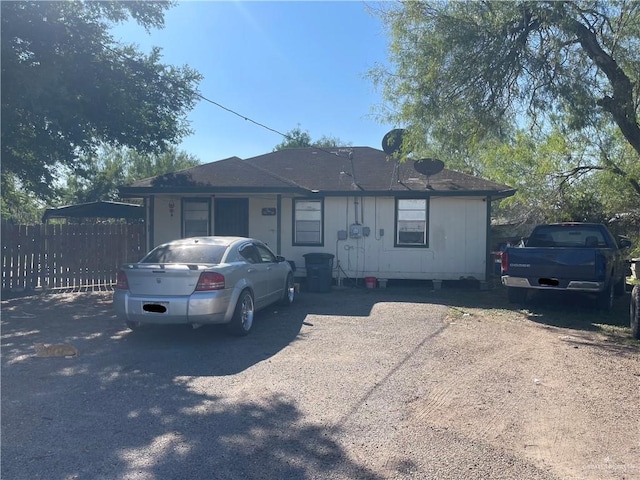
392	141
428	166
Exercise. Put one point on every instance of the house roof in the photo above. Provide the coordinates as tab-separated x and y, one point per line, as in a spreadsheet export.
101	209
324	171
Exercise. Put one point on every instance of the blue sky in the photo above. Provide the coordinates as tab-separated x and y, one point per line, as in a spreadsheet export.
282	64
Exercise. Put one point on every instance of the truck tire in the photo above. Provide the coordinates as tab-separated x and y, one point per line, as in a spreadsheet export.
604	300
516	295
634	312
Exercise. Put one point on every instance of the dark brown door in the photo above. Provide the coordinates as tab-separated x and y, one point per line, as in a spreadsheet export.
231	217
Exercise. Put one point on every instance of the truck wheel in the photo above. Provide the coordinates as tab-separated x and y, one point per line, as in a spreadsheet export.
604	300
516	295
634	310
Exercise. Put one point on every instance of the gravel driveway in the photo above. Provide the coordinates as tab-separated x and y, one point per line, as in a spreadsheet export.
355	384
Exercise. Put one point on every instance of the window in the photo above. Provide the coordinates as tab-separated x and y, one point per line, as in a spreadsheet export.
307	222
195	217
266	256
250	253
411	222
185	254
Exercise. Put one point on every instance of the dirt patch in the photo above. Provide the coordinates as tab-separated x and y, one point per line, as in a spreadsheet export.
380	376
557	383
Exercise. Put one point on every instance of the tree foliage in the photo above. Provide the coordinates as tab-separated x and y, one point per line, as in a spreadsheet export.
470	76
112	167
68	87
18	206
298	138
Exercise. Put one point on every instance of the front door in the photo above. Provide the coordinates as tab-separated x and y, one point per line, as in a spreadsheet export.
231	217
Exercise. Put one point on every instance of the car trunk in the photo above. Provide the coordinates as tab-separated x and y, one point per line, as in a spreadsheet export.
175	279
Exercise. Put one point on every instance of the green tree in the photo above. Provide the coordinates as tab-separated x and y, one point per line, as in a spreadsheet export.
298	138
112	167
18	206
68	87
468	75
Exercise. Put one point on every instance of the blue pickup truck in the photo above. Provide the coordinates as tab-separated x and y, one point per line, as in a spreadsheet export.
579	257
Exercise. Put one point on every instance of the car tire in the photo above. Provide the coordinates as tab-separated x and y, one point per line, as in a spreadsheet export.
289	292
242	319
517	295
604	300
634	312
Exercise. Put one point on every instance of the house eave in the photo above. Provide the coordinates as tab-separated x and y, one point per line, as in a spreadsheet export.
141	192
420	193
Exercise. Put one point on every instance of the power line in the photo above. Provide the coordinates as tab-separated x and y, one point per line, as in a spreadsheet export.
121	54
260	124
242	116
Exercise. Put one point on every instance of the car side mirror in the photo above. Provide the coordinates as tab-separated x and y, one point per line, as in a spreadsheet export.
624	242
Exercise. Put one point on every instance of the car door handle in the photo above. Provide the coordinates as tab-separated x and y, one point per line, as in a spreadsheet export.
251	270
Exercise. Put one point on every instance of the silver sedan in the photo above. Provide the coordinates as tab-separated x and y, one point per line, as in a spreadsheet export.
203	280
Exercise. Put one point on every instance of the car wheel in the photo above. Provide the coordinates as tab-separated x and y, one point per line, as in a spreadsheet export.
634	310
289	292
516	295
242	319
133	326
604	300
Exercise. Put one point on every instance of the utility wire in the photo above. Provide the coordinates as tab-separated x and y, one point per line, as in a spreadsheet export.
244	117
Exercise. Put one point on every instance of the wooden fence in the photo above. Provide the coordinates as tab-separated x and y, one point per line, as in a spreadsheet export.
67	256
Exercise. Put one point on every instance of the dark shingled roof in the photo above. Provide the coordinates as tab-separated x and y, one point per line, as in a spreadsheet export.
101	209
329	171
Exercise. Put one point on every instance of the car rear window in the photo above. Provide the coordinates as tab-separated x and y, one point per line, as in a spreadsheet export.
185	254
563	236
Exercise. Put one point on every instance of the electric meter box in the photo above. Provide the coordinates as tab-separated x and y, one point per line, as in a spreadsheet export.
355	231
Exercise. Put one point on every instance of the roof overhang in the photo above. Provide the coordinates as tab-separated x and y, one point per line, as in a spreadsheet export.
141	192
101	209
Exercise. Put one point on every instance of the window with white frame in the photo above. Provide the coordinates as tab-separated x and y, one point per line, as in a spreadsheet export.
195	217
411	222
307	222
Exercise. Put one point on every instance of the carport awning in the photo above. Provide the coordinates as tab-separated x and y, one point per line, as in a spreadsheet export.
102	209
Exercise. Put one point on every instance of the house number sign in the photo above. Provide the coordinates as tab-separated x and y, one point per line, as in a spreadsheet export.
268	211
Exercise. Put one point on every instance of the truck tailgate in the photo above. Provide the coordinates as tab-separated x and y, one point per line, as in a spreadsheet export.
567	263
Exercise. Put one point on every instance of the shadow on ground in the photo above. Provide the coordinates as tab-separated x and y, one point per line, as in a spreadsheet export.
145	404
141	405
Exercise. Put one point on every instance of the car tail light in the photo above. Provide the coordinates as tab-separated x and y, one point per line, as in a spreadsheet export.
210	281
121	281
601	267
504	262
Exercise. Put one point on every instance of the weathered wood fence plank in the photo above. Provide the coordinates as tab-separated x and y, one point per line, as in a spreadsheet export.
67	256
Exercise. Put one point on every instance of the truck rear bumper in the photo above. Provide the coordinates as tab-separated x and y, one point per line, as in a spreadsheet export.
553	284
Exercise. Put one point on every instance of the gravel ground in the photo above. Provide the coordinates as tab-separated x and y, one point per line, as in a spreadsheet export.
396	383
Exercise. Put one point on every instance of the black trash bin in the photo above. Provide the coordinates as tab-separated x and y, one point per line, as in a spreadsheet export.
319	267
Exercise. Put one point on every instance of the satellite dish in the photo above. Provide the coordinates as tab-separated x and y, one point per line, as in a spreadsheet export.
429	166
392	141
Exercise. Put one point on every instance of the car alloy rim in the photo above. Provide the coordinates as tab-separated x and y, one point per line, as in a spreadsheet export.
291	290
247	313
